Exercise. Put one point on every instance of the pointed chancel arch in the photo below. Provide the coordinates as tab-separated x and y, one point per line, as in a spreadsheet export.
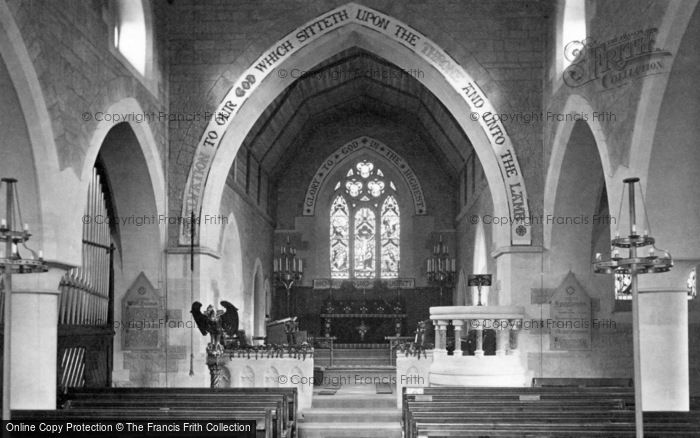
353	25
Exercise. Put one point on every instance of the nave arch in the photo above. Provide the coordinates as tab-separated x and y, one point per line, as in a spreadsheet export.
207	175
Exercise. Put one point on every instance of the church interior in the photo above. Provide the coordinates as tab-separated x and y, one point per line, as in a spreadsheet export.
379	205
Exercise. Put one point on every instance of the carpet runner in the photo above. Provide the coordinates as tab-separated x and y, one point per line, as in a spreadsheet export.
357	409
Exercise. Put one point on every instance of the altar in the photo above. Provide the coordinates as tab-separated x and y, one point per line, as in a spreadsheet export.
363	321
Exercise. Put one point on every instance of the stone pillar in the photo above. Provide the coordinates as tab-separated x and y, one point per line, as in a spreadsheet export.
663	332
502	337
458	323
513	263
515	326
216	362
34	336
478	325
441	336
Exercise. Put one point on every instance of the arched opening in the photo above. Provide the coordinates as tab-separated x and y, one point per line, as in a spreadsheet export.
480	252
135	229
259	301
231	269
361	35
574	215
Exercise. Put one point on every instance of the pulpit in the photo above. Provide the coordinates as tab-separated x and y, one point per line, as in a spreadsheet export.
504	368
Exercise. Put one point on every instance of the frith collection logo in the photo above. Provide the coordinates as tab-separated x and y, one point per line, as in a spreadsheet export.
615	62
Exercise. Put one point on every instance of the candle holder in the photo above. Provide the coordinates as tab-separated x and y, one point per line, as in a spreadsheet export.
441	269
478	281
12	262
288	269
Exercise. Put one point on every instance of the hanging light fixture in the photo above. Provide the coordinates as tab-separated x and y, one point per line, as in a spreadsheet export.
635	262
14	233
15	236
288	269
655	260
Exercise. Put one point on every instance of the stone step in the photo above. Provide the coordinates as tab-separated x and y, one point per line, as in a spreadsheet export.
351	401
350	429
347	415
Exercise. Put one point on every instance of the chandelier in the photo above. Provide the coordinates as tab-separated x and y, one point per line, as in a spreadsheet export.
635	262
288	269
14	237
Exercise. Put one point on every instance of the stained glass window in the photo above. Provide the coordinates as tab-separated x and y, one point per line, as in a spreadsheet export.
623	287
391	230
692	285
340	224
365	225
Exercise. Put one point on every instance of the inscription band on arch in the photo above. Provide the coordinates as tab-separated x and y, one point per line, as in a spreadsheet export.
349	148
404	36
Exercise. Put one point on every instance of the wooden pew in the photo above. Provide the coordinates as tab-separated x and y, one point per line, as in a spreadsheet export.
264	418
174	396
539	411
583	382
290	393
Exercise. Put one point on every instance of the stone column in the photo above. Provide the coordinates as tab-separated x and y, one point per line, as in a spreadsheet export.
515	326
458	323
478	325
34	339
663	331
502	337
441	336
513	263
216	361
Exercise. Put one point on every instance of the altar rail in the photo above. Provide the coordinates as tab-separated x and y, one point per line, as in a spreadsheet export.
505	320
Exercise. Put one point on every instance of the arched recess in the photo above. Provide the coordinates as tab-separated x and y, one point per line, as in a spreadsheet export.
575	206
147	151
442	75
259	303
46	217
562	139
133	191
480	265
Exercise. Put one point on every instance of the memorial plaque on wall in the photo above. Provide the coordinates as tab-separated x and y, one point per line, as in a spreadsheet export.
570	316
142	316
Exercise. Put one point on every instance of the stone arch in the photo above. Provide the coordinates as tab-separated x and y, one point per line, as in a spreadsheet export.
272	378
574	104
133	194
671	31
247	377
49	225
443	76
148	147
573	210
673	172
